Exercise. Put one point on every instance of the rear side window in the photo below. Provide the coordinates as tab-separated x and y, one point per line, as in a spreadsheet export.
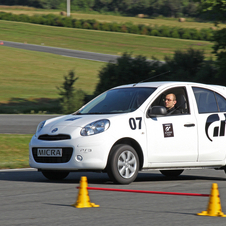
209	101
221	102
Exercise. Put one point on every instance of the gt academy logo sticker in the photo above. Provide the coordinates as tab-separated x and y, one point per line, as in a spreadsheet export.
168	130
216	125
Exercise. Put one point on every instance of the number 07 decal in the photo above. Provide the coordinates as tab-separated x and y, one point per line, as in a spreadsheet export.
134	123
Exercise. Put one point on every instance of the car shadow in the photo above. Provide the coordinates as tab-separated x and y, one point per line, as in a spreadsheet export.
31	175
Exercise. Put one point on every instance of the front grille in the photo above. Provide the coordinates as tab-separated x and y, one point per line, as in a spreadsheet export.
54	137
66	156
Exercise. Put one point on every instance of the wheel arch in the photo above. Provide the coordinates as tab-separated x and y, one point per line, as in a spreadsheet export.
133	143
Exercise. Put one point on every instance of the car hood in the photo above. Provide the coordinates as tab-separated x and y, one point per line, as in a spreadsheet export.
67	123
75	120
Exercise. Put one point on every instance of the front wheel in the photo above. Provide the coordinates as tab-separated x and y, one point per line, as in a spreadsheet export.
55	175
171	173
123	164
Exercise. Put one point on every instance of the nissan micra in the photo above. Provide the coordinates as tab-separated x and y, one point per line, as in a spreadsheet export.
127	129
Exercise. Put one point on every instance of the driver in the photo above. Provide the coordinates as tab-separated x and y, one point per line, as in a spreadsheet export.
170	102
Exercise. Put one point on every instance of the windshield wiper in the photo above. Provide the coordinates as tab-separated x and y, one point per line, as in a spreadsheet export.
95	113
100	113
90	113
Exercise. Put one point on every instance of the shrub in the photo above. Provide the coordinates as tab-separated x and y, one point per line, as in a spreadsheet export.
165	32
186	35
72	104
36	19
195	35
53	20
24	18
206	34
123	28
78	24
4	16
59	22
144	30
86	25
71	99
175	34
105	27
91	22
96	26
154	32
115	27
67	22
134	29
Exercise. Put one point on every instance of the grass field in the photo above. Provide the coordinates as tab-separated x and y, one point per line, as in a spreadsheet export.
27	76
14	150
172	22
97	41
31	78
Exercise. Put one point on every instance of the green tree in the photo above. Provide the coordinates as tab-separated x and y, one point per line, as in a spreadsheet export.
189	65
126	70
217	10
214	9
71	99
185	65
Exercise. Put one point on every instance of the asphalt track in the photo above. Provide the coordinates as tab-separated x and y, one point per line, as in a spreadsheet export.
63	52
27	198
21	124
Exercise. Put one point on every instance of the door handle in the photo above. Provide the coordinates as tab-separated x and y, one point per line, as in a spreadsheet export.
189	125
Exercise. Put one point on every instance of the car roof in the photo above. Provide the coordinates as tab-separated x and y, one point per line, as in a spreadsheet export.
163	84
158	84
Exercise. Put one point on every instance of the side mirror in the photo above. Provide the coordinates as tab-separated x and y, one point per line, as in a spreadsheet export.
157	111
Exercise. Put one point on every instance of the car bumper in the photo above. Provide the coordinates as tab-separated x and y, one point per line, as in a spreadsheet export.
84	153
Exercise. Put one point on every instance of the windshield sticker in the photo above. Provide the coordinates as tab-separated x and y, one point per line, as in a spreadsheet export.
217	126
73	119
168	130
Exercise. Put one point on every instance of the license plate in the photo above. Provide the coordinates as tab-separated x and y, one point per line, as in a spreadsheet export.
49	152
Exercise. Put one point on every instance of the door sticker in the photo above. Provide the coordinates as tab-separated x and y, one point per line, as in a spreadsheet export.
168	130
135	123
218	128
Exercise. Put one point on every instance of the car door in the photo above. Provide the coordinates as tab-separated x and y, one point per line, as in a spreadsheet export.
211	116
172	138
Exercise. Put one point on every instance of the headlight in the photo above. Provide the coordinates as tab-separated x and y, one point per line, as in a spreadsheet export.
95	127
40	126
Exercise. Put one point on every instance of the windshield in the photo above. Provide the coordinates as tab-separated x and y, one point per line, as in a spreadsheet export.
118	101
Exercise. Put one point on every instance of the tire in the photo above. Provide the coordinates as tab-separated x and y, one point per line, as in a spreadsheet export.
55	175
123	164
171	173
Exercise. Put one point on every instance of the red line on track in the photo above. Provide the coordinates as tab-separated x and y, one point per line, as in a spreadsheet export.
150	192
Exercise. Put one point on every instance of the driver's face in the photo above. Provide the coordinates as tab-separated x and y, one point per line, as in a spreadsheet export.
170	101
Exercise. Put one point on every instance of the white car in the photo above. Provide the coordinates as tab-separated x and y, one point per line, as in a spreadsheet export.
127	129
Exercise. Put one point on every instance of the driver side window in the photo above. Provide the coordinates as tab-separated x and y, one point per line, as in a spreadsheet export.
181	106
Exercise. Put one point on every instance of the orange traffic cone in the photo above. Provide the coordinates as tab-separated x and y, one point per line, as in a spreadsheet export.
83	200
214	206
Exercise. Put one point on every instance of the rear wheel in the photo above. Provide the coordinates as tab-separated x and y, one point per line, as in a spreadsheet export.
55	175
123	164
171	173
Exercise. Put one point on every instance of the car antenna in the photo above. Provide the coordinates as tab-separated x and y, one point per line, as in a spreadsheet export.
151	78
